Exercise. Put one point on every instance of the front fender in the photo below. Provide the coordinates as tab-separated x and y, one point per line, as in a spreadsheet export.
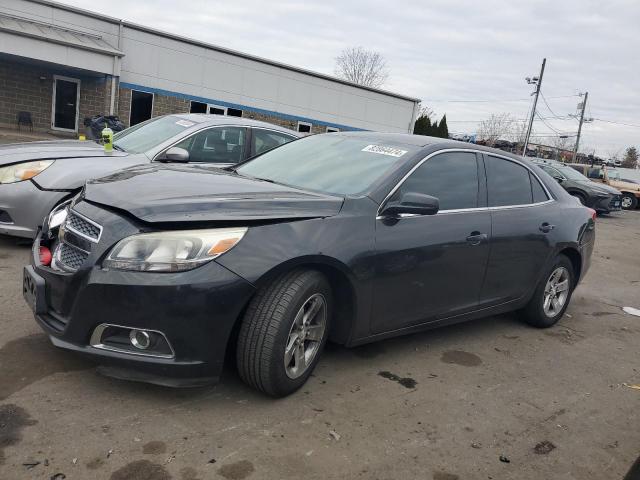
72	173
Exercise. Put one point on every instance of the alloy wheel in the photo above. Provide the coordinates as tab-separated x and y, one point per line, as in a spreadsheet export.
556	292
626	202
305	336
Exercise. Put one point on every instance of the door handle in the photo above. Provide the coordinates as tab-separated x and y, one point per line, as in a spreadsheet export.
476	238
546	227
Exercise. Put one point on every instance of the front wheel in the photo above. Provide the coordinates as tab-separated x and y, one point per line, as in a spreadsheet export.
552	295
284	331
628	201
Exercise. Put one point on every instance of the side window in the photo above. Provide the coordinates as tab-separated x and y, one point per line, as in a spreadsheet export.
551	171
595	173
264	140
216	145
507	183
539	195
450	177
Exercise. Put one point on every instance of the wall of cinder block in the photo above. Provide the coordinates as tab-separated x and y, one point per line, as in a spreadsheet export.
29	88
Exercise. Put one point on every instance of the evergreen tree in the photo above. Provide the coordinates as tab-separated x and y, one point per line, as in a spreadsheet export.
443	129
434	129
630	158
422	125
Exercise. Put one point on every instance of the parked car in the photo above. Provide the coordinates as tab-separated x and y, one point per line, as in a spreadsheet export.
353	237
610	176
35	177
602	198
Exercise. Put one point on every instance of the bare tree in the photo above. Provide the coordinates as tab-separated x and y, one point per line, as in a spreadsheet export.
559	144
361	66
497	126
426	111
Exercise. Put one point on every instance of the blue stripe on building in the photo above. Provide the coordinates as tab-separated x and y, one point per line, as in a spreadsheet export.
238	106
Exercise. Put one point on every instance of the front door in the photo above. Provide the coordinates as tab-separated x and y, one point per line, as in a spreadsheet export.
66	96
431	267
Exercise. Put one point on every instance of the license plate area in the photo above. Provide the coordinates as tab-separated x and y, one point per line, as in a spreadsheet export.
33	290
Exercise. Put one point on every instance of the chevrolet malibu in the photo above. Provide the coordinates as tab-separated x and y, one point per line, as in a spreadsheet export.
38	176
159	270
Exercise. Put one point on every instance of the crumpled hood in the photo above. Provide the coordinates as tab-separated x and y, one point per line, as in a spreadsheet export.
179	193
57	149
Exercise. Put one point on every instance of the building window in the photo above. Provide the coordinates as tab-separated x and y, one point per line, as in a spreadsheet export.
234	112
304	127
217	110
198	107
332	129
141	107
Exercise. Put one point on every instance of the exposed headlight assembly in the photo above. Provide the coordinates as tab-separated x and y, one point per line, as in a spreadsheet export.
172	251
23	171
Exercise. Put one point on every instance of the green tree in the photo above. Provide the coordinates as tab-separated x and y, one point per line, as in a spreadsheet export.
630	158
423	125
443	129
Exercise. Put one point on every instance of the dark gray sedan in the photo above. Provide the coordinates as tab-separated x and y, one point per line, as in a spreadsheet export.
36	177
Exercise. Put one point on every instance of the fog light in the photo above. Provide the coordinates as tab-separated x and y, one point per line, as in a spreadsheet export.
140	339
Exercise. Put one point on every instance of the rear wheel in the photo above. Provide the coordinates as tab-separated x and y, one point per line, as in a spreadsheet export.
628	201
552	295
284	331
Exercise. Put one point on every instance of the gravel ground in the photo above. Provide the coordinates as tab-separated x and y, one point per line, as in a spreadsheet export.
492	399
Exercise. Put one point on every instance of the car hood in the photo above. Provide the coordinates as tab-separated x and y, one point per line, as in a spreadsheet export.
633	187
57	149
176	193
601	187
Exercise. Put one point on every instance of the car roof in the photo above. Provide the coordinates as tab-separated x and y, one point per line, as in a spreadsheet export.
213	120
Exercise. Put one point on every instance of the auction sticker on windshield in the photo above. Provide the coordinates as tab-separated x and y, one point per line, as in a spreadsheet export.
382	150
185	123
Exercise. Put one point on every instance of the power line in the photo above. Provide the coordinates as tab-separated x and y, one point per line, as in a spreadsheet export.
547	124
547	104
614	123
493	100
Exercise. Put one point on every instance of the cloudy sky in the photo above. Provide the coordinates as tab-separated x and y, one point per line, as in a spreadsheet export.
467	59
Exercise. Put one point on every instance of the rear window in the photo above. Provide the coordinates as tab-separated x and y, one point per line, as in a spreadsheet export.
508	183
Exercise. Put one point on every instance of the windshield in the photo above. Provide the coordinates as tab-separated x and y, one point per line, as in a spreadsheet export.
571	174
329	163
146	135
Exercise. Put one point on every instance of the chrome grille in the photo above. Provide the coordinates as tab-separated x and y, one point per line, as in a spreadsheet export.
70	257
83	226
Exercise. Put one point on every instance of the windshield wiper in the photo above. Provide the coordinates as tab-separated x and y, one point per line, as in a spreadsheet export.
120	149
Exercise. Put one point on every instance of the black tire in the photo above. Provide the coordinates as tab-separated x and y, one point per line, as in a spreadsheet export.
630	200
534	313
580	197
266	326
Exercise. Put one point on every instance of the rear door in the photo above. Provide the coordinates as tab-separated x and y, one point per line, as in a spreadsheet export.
217	145
263	140
522	224
430	267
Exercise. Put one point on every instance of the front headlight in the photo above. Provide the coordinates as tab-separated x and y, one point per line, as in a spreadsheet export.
23	171
172	251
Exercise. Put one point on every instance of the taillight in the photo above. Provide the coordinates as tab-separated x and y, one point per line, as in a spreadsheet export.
45	256
593	214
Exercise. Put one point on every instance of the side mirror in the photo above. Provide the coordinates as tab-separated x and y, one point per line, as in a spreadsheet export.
174	154
559	179
413	204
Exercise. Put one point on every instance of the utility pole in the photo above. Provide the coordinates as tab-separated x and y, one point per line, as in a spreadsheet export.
584	105
538	82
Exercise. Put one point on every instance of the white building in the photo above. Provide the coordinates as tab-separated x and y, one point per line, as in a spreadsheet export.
61	64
